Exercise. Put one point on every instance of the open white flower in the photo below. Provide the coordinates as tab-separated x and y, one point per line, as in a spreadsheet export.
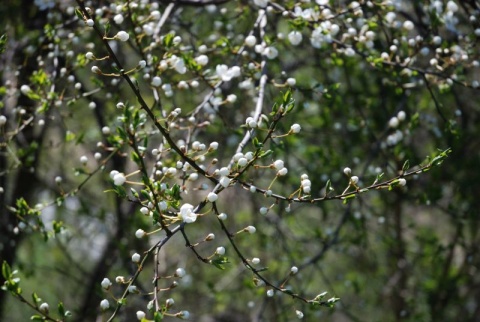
295	37
187	214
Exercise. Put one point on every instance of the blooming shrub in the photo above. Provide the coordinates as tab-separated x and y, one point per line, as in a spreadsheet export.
223	152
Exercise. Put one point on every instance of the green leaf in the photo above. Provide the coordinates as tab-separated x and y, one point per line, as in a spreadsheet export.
146	195
61	309
289	292
176	192
57	226
121	192
168	40
406	166
6	270
35	298
3	43
265	153
107	27
436	161
348	198
328	187
219	262
69	136
134	193
157	317
135	157
36	317
79	13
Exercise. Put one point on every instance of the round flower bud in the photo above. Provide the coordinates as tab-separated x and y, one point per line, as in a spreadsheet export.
119	179
104	304
295	128
278	164
140	233
44	308
393	123
232	98
347	171
242	162
169	302
250	229
184	315
408	25
212	197
202	60
106	283
118	18
180	272
136	258
299	314
250	41
140	315
220	251
122	35
156	81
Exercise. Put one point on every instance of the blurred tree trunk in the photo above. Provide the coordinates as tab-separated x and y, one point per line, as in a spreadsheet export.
22	181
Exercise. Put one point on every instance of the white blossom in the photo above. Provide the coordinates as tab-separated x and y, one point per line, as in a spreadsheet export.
295	37
187	214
